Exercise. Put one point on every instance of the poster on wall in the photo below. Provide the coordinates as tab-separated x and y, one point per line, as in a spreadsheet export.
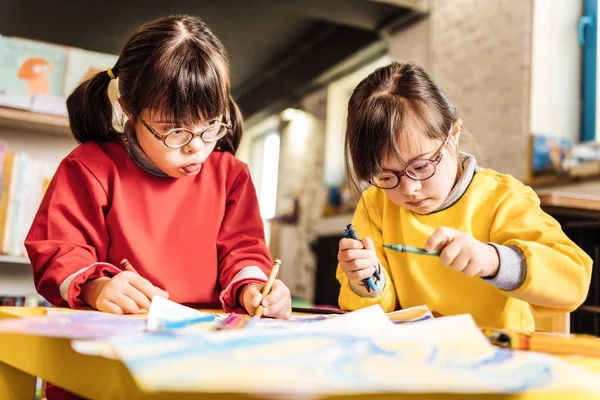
31	68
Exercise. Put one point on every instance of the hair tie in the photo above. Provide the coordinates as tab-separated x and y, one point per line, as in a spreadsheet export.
110	73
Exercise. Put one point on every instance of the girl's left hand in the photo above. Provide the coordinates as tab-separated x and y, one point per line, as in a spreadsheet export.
277	304
464	253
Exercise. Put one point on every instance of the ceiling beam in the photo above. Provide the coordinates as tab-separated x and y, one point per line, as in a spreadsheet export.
326	48
354	13
420	6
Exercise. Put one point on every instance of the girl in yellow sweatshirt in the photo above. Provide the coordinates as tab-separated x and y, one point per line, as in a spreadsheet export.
502	259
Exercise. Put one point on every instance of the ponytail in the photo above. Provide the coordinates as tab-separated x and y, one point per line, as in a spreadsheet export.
90	110
231	141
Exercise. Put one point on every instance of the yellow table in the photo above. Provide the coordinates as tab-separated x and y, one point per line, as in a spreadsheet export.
25	357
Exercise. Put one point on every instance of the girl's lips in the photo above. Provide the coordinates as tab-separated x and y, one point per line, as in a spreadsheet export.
191	169
416	203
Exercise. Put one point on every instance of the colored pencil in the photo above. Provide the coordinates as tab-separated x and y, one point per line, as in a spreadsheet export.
267	288
126	265
368	283
402	248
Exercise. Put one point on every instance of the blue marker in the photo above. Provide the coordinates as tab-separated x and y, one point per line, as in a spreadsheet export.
350	233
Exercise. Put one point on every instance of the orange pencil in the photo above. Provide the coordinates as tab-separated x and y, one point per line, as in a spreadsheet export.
584	345
126	265
267	288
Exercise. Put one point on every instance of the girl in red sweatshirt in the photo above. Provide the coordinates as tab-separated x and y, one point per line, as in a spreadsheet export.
167	193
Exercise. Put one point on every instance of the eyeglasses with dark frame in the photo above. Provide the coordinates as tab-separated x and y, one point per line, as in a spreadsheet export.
419	170
179	137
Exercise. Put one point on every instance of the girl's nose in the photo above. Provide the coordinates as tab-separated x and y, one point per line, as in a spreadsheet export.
195	146
409	186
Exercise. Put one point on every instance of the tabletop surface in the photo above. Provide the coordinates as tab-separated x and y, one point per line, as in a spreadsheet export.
96	377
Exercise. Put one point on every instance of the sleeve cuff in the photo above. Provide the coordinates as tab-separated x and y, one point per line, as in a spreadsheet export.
362	291
70	288
246	275
513	268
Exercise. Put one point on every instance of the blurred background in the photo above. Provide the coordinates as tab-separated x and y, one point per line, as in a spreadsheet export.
522	74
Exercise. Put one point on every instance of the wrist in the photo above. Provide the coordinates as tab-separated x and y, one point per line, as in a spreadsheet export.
240	295
90	290
493	264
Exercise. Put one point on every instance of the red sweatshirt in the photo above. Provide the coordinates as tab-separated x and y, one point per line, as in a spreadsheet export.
199	238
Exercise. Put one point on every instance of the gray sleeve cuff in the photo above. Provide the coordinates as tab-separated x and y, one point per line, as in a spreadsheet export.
512	270
360	290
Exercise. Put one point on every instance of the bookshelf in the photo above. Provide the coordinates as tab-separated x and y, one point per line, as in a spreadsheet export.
22	120
46	138
14	260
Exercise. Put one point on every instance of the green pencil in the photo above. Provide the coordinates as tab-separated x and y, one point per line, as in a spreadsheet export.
410	249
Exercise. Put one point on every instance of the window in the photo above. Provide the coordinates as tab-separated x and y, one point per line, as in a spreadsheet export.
264	166
588	32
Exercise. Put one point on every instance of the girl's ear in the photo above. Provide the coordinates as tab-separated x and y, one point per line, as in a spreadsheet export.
125	109
456	131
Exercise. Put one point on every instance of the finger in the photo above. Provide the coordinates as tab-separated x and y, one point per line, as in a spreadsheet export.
146	287
346	244
140	298
471	269
278	309
275	310
439	239
449	253
461	261
252	296
109	307
278	292
360	265
368	243
127	304
358	276
354	254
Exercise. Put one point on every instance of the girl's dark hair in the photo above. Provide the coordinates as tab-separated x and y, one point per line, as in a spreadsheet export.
175	66
394	100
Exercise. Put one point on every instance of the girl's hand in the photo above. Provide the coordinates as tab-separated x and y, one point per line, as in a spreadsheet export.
464	253
357	258
277	304
124	293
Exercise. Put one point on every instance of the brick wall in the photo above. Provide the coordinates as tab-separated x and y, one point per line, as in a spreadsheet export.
479	52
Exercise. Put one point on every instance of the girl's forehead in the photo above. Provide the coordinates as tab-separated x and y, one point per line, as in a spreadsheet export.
409	145
164	114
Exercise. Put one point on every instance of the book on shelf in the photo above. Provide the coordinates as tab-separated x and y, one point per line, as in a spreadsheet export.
39	76
22	183
32	67
23	301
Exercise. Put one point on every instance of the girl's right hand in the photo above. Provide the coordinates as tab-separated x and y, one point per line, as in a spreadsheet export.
357	258
124	293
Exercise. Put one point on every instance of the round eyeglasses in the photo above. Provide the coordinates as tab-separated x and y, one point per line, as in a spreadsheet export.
179	137
420	169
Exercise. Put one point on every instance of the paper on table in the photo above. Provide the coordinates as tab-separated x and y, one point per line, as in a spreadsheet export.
163	310
359	352
76	325
413	314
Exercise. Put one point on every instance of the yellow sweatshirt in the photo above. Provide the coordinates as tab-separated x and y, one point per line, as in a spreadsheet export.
495	208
